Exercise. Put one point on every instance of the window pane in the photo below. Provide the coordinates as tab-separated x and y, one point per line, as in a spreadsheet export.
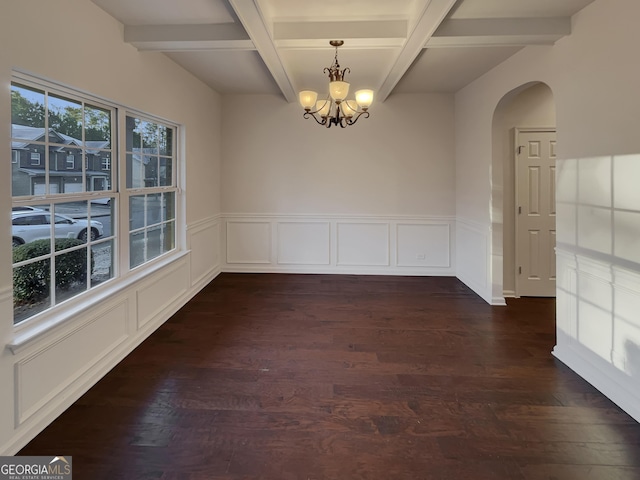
27	112
154	242
154	208
149	131
103	211
165	172
65	169
134	140
31	289
135	171
169	237
70	273
65	118
29	169
136	212
150	171
169	210
97	127
28	227
136	249
102	258
98	170
165	142
72	221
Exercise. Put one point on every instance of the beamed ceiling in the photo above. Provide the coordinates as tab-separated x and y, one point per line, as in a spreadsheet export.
282	46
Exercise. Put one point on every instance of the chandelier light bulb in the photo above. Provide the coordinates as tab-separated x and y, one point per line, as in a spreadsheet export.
349	108
364	98
308	99
323	107
338	90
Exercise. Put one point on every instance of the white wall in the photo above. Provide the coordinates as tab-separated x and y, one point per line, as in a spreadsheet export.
376	197
531	108
594	79
43	376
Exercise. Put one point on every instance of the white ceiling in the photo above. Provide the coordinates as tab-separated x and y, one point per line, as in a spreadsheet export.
282	46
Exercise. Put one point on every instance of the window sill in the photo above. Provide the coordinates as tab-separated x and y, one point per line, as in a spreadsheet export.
25	337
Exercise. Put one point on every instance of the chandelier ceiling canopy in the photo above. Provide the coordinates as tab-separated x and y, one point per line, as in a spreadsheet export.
335	109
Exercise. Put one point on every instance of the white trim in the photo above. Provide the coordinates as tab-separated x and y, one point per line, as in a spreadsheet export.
613	383
33	329
336	265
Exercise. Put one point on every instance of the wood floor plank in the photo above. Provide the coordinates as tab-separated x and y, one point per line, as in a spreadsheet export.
315	377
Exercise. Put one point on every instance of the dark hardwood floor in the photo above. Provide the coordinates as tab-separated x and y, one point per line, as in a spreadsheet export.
312	377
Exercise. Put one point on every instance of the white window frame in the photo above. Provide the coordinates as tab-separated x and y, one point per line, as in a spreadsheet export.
106	163
126	193
15	155
71	164
35	159
123	275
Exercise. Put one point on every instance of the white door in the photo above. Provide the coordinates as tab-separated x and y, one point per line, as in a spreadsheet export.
535	213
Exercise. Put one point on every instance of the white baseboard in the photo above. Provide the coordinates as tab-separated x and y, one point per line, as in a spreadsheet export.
613	383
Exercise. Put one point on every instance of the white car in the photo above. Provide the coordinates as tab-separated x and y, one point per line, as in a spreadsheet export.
28	226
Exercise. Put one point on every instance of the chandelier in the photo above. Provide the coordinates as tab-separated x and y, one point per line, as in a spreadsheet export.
335	109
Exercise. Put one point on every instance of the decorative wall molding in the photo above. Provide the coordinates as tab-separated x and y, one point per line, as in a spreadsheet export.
473	241
48	372
597	323
248	241
203	241
613	383
155	295
349	244
47	379
303	242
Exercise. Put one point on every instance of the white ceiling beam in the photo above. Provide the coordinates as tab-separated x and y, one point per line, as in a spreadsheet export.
256	26
500	31
429	15
175	38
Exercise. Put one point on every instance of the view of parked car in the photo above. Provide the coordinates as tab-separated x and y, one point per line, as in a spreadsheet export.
26	208
27	226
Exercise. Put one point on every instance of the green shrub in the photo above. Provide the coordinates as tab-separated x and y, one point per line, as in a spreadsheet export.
31	282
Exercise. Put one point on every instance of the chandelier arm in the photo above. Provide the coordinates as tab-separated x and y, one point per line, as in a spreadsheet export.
312	115
355	119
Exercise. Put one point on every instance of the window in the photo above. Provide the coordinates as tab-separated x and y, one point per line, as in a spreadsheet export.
64	236
152	189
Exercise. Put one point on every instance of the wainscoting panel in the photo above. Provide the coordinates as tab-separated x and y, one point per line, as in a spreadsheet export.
346	244
248	242
472	257
155	295
363	244
597	324
203	241
48	372
304	243
423	245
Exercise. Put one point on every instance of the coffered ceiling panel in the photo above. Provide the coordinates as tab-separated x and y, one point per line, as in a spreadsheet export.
282	46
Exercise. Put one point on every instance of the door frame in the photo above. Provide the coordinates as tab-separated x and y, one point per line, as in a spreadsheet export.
517	247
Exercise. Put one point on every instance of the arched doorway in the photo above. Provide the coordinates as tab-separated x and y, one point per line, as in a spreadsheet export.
530	106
